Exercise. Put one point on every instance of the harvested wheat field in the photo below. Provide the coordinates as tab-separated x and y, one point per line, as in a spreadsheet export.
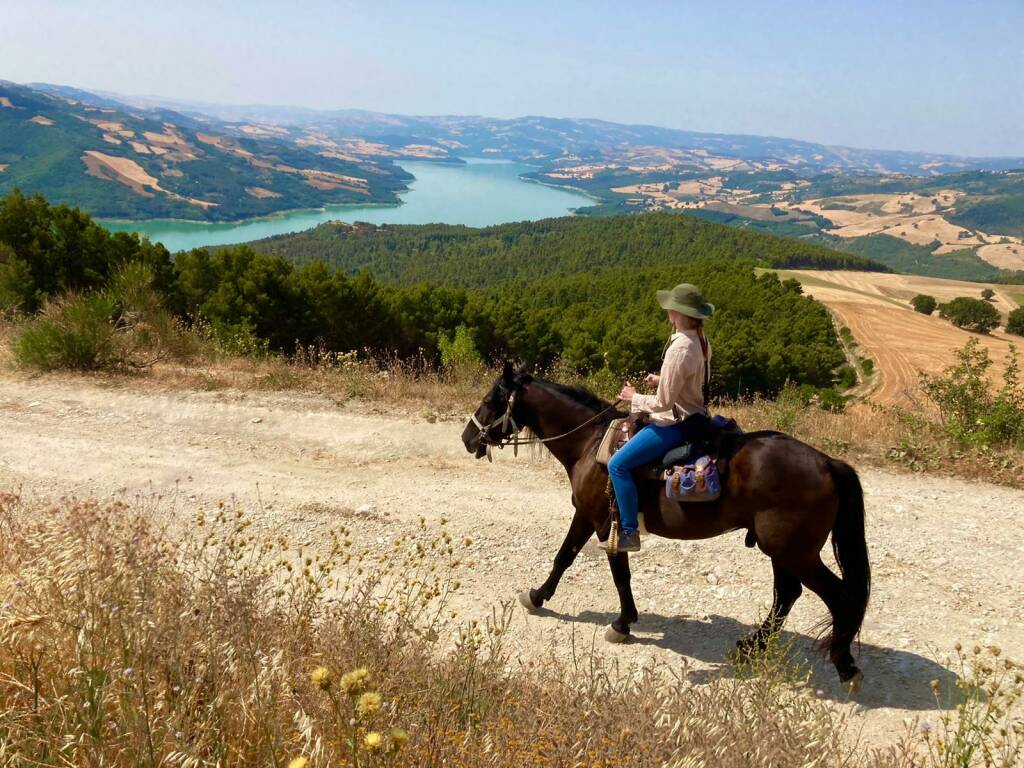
122	170
1003	255
902	216
944	551
902	342
128	172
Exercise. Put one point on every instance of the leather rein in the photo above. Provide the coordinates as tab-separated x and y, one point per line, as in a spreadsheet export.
510	429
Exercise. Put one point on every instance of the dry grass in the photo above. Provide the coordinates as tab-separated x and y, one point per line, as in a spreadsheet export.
124	643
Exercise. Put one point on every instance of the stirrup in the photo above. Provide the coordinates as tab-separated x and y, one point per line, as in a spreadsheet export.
612	545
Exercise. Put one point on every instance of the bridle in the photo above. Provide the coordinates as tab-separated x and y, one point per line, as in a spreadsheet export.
510	429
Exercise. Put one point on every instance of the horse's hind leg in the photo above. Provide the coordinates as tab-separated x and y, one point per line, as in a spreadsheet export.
619	629
825	584
787	590
580	530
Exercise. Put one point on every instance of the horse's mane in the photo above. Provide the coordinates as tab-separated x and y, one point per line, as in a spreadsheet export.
582	396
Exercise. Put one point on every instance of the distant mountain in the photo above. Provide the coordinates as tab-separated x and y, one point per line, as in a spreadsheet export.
548	139
116	161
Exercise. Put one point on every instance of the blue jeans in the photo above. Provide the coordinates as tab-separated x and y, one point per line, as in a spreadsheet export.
649	444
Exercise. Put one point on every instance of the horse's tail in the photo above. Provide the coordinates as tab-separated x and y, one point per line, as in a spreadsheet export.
851	551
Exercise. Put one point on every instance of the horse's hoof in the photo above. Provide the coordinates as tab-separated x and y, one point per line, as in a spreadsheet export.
527	602
854	684
612	635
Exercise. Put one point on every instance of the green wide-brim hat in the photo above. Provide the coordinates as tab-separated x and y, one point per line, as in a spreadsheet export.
688	299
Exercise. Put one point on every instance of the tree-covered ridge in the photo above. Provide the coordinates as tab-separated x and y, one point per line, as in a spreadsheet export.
601	317
527	251
119	163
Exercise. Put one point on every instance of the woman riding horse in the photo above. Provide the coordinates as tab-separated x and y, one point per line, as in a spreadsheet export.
677	412
786	495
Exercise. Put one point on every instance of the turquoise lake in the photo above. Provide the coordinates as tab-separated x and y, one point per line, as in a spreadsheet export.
478	194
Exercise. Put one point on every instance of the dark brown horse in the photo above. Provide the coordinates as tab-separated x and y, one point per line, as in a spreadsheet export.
786	494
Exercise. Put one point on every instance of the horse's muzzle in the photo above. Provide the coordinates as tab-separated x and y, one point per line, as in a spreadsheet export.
472	438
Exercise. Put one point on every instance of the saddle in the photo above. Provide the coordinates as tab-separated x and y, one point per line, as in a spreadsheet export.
691	472
620	431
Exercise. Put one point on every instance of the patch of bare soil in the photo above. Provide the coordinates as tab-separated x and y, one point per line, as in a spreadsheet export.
261	193
126	171
946	553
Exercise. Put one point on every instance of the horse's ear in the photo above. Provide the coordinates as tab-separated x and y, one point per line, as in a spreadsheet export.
507	373
523	376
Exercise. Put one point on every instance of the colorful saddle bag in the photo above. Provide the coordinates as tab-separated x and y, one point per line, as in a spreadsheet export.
693	482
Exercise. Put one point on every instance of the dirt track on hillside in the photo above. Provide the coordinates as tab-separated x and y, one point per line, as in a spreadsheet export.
946	553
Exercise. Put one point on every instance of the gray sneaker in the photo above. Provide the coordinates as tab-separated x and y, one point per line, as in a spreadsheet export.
629	541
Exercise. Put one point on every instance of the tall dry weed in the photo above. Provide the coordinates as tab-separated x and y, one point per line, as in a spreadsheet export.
124	641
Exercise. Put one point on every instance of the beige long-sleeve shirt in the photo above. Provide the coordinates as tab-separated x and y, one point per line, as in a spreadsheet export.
681	384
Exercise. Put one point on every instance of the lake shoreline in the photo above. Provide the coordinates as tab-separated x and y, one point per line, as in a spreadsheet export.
282	214
478	193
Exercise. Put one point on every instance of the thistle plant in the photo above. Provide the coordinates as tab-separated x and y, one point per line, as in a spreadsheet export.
986	725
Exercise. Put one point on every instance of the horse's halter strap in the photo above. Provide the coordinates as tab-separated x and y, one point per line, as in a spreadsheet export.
510	429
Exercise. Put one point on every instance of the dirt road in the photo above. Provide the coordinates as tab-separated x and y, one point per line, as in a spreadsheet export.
946	553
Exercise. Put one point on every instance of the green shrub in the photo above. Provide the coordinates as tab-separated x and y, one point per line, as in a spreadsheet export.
16	287
971	411
74	332
987	294
924	304
786	409
148	326
971	314
459	350
830	400
867	366
1015	322
232	338
847	377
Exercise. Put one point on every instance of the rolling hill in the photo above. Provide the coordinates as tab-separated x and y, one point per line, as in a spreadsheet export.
116	162
568	140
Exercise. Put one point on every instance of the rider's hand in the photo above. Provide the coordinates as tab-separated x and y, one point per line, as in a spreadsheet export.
652	379
626	395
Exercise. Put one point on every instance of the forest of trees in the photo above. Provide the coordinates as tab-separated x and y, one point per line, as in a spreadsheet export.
467	257
582	293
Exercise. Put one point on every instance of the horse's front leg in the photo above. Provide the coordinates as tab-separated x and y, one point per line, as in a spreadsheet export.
580	530
619	629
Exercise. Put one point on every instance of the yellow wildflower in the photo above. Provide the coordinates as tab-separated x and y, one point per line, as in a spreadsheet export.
321	677
368	704
299	762
355	681
399	738
373	741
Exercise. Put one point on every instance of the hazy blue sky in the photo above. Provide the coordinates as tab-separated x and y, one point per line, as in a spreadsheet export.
941	76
